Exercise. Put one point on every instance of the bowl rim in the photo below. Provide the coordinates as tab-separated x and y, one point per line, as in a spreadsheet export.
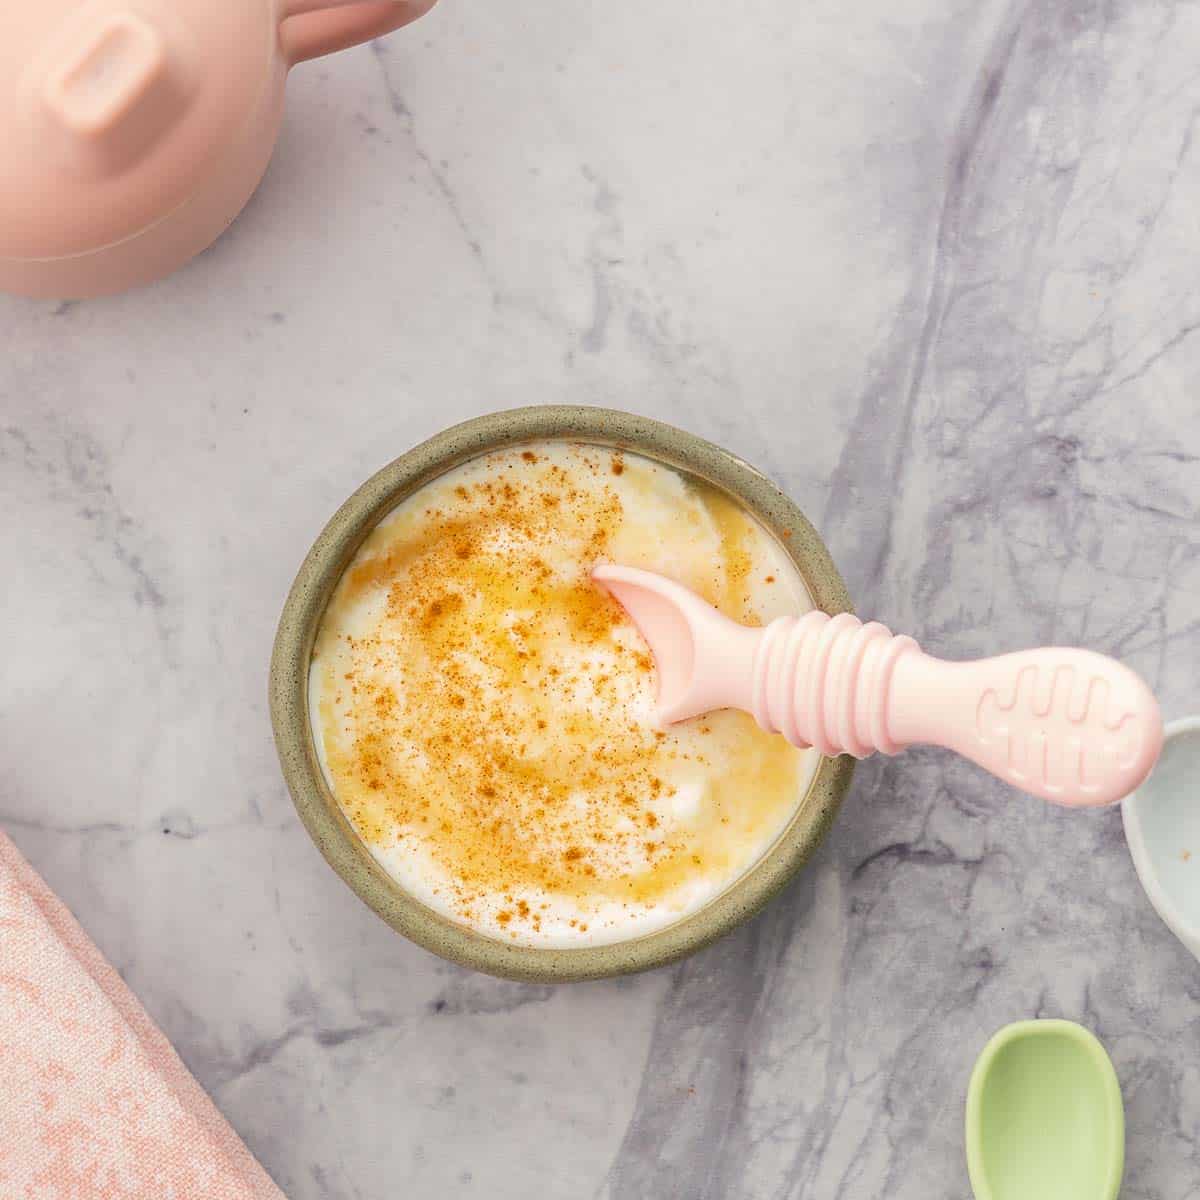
324	565
1135	838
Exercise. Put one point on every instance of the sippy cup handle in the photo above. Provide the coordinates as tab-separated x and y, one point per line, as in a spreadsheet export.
311	28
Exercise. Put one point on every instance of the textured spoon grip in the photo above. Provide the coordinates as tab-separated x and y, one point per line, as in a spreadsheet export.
825	681
1068	725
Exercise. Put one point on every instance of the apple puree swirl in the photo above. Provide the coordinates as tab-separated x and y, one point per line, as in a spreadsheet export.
483	711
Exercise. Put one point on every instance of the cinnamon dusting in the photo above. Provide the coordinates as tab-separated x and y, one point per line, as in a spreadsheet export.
453	719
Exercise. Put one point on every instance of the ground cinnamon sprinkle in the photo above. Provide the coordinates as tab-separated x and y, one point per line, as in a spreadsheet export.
454	725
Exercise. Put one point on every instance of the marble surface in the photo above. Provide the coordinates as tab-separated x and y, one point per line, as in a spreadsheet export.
933	267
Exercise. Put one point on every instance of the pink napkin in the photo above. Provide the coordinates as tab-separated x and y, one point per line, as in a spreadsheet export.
94	1102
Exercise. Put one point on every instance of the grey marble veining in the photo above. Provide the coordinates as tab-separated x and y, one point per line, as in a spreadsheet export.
933	267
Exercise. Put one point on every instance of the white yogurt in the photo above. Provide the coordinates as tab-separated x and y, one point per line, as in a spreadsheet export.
483	711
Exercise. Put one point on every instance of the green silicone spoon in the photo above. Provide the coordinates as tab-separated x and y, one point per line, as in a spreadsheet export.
1044	1116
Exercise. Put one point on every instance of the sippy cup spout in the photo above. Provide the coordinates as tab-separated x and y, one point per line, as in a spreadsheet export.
109	87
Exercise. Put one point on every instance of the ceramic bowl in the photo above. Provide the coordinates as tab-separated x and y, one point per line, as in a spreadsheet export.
1162	827
305	607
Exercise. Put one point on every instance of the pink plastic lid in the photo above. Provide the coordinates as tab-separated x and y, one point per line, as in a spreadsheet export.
112	112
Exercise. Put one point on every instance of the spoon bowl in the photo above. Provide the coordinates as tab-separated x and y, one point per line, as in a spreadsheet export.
1044	1116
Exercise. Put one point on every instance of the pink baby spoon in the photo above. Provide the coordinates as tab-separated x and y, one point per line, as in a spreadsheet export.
1067	725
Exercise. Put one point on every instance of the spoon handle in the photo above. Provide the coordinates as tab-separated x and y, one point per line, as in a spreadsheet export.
1067	725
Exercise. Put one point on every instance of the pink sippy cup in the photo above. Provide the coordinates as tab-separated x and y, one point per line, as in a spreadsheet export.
132	132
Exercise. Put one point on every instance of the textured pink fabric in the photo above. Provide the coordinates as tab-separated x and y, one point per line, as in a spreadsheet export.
94	1102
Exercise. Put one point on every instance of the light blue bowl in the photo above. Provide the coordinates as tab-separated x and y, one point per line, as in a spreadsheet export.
1162	827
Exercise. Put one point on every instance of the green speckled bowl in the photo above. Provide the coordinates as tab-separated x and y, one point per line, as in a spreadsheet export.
322	569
